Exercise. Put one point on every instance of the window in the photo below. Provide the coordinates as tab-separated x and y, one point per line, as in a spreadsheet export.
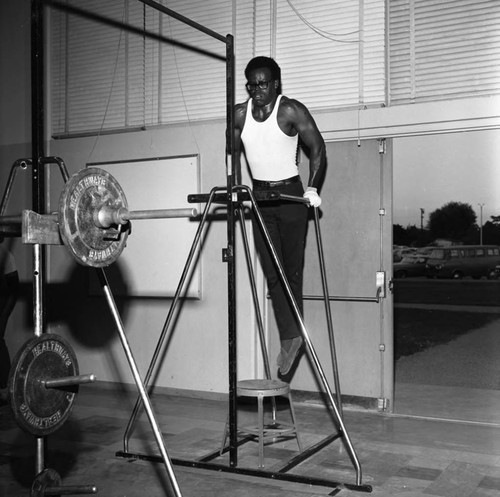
442	49
332	55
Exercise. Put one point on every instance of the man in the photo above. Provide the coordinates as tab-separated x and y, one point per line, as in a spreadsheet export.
268	128
9	283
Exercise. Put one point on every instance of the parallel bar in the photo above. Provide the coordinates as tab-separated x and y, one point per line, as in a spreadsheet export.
328	311
170	316
315	362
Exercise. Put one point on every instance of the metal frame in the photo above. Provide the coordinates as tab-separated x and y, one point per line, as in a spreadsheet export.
232	196
239	194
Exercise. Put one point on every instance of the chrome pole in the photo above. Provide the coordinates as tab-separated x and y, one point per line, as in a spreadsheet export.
309	346
140	386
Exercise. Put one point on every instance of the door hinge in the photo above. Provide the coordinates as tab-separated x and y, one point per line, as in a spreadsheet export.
382	147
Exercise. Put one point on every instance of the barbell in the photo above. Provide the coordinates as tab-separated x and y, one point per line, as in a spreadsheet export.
93	219
48	482
43	383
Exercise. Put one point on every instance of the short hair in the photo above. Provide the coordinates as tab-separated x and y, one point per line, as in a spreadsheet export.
262	62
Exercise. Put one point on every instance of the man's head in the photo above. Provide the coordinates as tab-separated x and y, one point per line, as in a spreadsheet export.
264	63
263	80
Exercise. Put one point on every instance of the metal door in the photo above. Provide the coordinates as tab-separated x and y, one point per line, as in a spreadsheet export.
356	229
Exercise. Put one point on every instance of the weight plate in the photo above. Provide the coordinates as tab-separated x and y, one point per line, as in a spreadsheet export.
85	193
37	409
48	478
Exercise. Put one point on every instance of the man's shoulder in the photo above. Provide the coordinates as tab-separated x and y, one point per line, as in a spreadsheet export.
291	103
292	108
240	111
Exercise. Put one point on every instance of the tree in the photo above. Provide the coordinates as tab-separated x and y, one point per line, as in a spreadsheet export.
454	221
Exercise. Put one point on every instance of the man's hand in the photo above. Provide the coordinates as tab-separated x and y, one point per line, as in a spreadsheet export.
312	195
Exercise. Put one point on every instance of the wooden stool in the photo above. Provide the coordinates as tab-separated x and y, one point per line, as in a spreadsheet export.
261	389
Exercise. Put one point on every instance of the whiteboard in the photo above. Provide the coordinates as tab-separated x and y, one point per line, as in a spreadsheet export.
152	263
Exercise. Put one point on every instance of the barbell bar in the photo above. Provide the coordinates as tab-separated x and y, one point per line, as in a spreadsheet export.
48	482
93	219
68	381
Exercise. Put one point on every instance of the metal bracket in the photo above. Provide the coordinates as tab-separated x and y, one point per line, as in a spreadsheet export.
382	404
380	284
227	254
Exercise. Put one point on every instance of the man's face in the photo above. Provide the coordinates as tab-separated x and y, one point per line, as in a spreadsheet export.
261	87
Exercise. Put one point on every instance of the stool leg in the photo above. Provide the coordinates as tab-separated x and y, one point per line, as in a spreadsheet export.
292	412
260	403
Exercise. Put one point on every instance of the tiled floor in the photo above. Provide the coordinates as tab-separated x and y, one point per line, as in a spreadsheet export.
399	455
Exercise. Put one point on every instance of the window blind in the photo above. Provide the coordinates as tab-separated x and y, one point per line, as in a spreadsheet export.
103	77
332	52
442	49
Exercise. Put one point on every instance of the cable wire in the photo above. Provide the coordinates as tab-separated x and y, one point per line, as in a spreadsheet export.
322	32
111	87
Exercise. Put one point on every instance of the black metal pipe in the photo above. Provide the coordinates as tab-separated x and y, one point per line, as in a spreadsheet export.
185	20
231	255
38	184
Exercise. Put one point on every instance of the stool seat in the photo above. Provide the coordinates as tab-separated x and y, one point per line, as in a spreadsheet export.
261	389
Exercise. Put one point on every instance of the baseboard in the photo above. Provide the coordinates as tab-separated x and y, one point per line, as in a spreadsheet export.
348	401
354	402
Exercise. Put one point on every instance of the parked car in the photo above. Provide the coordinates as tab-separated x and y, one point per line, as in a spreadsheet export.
458	261
409	266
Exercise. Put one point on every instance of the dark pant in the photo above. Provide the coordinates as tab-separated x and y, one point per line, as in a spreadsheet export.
286	222
4	363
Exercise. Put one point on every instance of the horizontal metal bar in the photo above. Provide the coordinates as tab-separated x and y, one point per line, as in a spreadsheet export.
305	454
306	480
161	213
109	216
294	198
71	490
69	381
185	20
342	299
13	219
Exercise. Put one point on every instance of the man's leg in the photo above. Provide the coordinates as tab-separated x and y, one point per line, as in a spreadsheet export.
293	229
287	225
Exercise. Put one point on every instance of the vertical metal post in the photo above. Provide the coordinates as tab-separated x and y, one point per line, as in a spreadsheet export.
38	181
232	176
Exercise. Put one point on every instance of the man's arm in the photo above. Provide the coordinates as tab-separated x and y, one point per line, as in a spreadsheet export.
239	120
311	137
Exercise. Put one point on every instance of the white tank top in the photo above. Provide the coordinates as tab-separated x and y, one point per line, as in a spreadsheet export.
271	154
